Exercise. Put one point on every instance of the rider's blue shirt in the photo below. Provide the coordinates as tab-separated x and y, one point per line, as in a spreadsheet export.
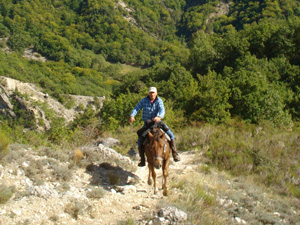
150	110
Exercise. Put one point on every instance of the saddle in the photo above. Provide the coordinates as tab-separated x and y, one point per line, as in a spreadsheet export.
149	125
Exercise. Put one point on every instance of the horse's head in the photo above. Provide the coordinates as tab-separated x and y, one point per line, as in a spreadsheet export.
157	144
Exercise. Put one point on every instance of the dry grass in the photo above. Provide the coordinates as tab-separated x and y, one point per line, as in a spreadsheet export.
77	155
127	137
126	222
96	193
188	193
75	208
268	152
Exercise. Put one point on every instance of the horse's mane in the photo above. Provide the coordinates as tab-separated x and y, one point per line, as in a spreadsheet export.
156	134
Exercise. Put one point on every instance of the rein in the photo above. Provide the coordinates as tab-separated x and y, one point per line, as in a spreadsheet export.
165	148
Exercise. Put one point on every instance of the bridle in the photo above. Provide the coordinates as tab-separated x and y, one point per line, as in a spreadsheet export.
164	151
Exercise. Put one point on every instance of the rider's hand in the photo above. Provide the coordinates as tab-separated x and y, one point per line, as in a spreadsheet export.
156	119
131	119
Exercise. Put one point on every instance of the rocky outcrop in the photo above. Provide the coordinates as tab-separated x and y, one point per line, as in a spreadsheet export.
222	8
35	113
29	97
5	106
31	55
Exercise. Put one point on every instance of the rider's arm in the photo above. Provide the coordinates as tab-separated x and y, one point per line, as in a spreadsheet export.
131	119
161	109
137	108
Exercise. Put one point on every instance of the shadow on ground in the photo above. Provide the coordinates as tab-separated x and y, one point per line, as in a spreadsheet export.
107	175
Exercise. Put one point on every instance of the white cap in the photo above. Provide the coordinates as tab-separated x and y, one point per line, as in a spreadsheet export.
152	89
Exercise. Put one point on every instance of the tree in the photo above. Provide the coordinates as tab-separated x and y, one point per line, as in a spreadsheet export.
211	102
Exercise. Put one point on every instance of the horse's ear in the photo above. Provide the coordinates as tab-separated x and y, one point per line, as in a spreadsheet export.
150	134
162	136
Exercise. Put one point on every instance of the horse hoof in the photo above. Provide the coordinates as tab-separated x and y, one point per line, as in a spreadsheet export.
165	193
150	182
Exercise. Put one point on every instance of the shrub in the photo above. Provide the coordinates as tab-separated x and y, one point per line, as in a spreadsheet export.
61	172
126	222
35	171
6	193
75	209
114	179
96	193
4	143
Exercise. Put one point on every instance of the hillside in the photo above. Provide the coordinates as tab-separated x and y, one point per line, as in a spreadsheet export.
228	73
246	50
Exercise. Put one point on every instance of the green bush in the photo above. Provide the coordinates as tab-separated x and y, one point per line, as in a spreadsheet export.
4	144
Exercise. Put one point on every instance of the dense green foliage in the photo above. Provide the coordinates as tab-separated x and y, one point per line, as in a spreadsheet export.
210	60
4	143
76	31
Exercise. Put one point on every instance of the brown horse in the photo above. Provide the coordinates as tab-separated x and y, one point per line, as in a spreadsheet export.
158	156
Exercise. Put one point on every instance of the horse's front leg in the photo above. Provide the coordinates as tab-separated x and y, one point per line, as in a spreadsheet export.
165	171
154	179
149	176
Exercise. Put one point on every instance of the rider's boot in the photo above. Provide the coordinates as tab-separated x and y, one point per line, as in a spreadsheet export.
174	151
142	156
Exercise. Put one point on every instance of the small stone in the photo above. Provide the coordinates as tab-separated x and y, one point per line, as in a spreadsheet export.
222	201
239	220
189	168
277	214
20	172
17	212
62	215
25	165
127	189
113	211
173	214
136	207
158	220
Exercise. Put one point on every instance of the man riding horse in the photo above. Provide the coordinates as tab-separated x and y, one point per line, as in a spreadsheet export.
153	110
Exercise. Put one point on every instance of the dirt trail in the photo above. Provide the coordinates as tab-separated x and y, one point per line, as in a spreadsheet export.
142	203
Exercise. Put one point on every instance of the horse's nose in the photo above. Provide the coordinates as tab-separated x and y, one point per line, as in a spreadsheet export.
157	162
157	166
